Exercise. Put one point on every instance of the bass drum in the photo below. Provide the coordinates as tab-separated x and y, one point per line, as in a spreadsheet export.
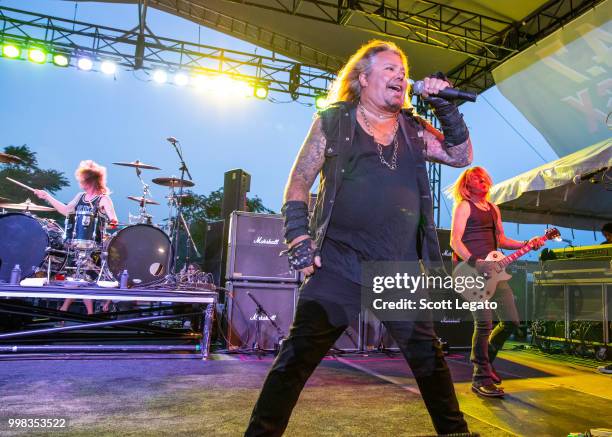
143	250
24	240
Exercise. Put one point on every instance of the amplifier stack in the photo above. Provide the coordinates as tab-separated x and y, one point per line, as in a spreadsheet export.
262	288
263	293
572	299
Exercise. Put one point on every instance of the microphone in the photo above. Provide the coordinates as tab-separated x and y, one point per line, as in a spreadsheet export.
447	93
579	178
172	140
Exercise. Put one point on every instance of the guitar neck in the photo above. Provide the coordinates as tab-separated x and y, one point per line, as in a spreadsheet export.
514	256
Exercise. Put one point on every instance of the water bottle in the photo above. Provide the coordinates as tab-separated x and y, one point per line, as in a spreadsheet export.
15	275
123	279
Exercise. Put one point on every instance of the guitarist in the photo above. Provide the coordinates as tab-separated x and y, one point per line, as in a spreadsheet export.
477	230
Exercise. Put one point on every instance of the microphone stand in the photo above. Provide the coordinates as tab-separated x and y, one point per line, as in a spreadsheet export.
259	311
179	214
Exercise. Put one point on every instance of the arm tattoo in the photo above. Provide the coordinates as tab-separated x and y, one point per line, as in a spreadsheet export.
456	156
307	164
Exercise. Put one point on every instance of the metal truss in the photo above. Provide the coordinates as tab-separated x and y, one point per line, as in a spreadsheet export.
434	169
485	40
139	48
258	35
476	73
427	22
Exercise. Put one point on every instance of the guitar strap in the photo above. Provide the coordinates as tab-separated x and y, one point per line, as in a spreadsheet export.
495	217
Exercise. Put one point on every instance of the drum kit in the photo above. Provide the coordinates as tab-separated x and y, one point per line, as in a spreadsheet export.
84	250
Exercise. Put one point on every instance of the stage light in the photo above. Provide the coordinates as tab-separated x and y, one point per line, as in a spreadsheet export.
261	91
321	101
181	79
37	55
242	89
85	64
203	82
108	67
160	76
11	51
61	60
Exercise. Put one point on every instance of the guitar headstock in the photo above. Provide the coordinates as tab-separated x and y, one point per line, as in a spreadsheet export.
552	233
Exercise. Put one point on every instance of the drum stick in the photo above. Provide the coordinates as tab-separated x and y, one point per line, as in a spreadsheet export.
20	184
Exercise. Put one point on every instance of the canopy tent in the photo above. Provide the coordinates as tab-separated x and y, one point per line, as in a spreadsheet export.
574	191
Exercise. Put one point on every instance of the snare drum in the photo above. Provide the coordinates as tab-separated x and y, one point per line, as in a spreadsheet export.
31	242
143	250
84	230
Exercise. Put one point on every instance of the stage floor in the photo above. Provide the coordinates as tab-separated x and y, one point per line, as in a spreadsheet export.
373	395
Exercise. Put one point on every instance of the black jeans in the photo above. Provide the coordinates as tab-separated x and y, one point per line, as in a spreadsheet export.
325	307
486	341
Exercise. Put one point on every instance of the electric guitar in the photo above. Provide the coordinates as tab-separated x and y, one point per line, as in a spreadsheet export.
495	271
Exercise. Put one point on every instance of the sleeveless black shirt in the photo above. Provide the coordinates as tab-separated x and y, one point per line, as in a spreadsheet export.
479	235
376	211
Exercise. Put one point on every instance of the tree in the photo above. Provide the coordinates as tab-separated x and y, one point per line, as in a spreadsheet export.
30	174
198	207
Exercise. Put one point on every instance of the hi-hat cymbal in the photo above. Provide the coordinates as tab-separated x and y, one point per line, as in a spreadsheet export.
26	206
9	159
173	182
141	199
137	164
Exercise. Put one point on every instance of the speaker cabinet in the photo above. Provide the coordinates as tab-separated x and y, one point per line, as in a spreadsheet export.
246	326
236	185
255	242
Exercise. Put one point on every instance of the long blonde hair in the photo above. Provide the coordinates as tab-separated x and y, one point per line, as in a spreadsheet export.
460	188
347	87
92	174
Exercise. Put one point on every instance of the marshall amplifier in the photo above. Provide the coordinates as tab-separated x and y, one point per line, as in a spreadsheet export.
254	242
246	326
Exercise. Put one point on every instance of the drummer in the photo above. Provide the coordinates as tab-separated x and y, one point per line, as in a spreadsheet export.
94	197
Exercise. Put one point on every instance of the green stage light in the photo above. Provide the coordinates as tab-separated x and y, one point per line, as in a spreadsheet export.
37	55
61	60
261	91
11	51
321	101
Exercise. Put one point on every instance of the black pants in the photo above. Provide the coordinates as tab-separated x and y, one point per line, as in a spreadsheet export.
325	307
486	341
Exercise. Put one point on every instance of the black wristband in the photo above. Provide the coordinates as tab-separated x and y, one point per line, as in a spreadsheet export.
451	120
296	219
472	261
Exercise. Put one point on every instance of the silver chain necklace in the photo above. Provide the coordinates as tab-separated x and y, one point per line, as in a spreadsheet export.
393	164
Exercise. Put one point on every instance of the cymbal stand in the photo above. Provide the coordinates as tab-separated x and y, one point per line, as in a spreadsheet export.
146	192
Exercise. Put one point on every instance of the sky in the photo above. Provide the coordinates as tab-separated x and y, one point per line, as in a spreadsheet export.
66	115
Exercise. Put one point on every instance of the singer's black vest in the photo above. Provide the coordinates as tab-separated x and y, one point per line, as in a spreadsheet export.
338	123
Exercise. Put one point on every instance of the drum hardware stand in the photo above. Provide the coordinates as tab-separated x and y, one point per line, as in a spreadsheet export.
146	192
260	311
49	251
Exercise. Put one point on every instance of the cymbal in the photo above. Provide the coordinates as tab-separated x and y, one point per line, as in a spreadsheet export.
173	182
137	164
9	159
26	206
140	200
